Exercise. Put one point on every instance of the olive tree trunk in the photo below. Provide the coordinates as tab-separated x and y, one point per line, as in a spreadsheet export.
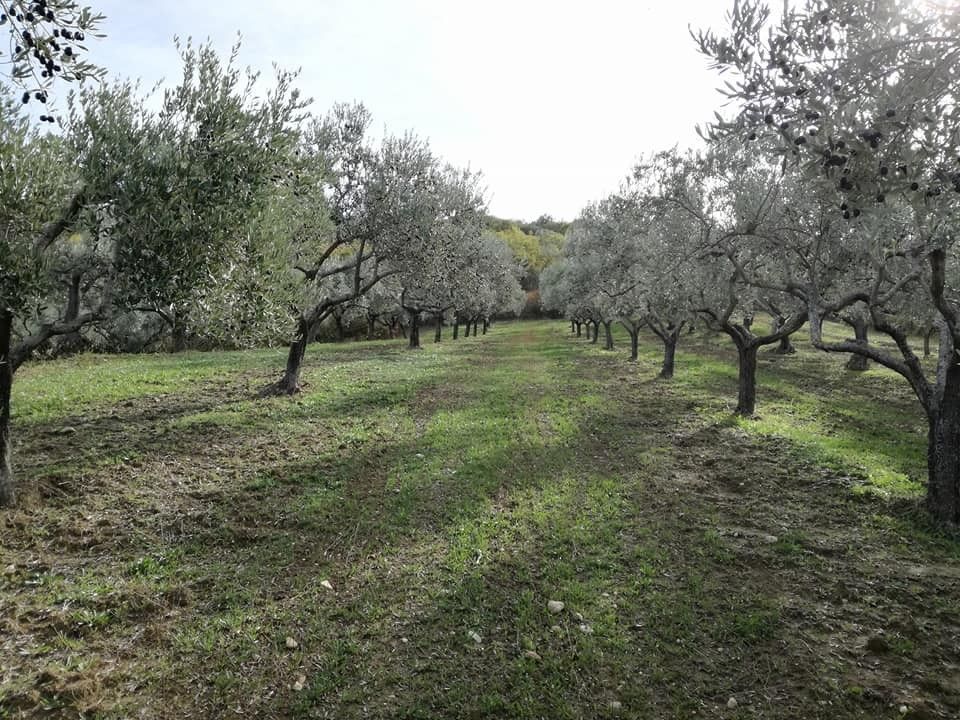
943	452
72	342
179	334
8	493
785	347
438	332
414	343
607	335
747	379
289	384
858	363
669	354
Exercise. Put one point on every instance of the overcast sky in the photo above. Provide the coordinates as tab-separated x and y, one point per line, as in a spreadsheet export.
552	100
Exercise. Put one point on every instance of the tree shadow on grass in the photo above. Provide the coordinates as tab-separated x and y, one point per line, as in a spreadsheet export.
682	605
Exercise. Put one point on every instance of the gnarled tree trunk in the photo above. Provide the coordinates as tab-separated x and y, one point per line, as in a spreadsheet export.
607	335
858	363
8	493
414	343
634	344
72	342
289	384
943	453
669	354
579	329
747	380
785	347
456	326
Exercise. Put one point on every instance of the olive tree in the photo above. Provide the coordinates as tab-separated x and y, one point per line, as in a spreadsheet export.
361	214
589	250
659	287
860	98
557	292
127	206
734	201
57	242
381	306
435	261
184	219
489	285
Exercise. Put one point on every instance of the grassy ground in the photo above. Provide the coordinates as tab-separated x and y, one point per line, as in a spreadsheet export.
385	544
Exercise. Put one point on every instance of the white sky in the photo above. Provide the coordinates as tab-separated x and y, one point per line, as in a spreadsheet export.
553	101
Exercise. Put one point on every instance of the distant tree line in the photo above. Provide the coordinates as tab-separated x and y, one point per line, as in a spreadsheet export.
535	246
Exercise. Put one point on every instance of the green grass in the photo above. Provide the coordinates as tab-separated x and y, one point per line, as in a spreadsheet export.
408	503
830	415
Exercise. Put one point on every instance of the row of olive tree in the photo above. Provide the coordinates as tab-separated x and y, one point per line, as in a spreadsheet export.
227	213
858	102
127	207
831	194
668	249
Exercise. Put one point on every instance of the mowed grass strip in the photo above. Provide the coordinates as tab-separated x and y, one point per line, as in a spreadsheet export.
386	543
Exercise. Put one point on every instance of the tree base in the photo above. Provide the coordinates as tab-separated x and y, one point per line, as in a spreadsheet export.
857	363
280	388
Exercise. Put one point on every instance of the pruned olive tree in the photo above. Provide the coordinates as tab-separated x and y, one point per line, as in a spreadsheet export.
608	247
860	97
591	253
557	293
490	285
128	205
380	306
45	43
362	213
435	262
660	286
733	201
